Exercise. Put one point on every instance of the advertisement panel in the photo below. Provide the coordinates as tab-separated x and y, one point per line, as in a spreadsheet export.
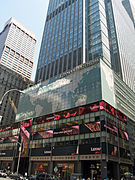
70	91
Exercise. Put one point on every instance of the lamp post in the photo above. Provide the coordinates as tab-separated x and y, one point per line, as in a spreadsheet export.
20	144
18	163
10	90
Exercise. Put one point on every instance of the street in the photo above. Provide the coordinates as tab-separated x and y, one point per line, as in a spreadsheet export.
7	178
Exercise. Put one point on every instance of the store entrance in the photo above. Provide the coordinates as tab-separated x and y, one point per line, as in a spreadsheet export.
64	170
91	169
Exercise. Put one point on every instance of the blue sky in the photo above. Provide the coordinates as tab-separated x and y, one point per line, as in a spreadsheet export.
31	13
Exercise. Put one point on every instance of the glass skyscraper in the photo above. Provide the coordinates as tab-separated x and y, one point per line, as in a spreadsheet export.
78	31
79	123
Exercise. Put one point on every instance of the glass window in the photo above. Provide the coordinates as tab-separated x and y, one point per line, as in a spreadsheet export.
26	61
17	55
31	64
7	49
21	58
12	52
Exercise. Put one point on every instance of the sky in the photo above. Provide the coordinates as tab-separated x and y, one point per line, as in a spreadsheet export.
30	13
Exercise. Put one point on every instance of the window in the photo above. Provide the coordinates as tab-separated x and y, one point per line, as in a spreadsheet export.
12	52
26	61
31	64
17	55
21	58
7	49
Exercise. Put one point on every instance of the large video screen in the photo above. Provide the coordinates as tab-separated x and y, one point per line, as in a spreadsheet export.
58	94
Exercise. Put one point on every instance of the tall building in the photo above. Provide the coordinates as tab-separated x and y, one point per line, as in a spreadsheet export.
10	80
79	122
78	31
17	47
130	9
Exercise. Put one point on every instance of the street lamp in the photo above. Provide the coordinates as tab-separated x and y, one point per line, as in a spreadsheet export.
10	90
18	163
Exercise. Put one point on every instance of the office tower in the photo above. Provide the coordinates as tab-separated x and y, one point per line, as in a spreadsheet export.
17	47
78	31
79	122
130	9
10	80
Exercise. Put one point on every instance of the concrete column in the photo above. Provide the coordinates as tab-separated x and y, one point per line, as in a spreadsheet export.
50	168
78	167
0	164
116	171
29	168
103	170
13	165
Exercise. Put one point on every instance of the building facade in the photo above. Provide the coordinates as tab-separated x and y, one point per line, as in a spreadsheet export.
130	9
78	31
10	80
79	118
17	47
68	128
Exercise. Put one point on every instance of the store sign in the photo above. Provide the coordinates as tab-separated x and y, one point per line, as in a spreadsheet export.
93	149
47	152
55	169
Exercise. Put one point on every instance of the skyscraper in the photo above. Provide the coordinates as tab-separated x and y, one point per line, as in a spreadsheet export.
78	31
17	47
10	80
130	9
80	121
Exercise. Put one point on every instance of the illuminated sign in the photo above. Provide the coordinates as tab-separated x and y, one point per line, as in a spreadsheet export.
25	135
95	149
108	108
111	129
46	134
93	127
66	131
123	135
77	111
47	152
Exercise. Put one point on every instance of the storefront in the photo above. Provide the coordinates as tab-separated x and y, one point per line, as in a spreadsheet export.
64	169
6	163
39	167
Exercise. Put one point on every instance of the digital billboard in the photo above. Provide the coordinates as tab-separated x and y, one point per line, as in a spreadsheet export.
57	94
